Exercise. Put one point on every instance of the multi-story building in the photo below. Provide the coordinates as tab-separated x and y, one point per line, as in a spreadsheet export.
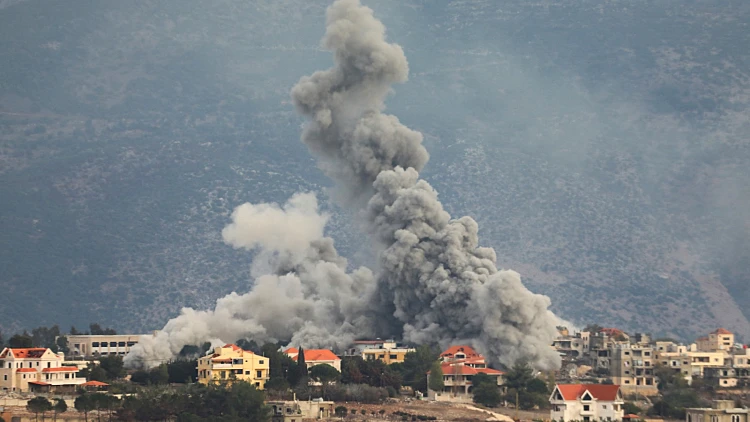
102	345
720	411
387	351
230	362
586	402
459	366
691	364
632	367
36	369
457	380
316	357
717	340
569	346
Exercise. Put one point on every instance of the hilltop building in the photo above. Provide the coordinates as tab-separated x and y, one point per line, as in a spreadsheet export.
88	346
37	369
387	351
230	362
316	357
460	364
720	411
586	402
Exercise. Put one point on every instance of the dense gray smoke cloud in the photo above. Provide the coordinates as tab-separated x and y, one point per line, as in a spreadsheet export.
435	284
306	295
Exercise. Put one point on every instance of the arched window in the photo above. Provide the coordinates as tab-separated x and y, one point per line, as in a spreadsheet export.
689	418
735	418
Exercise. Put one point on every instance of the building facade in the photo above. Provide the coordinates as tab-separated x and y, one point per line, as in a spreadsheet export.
720	411
36	369
297	411
717	340
586	402
632	367
102	345
316	357
229	363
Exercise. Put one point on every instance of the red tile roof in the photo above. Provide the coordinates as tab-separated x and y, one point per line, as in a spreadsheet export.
61	369
292	350
26	370
449	369
466	350
39	383
612	332
572	392
34	352
314	355
234	347
722	331
94	384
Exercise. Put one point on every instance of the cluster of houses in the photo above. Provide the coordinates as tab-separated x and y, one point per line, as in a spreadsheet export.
630	361
605	354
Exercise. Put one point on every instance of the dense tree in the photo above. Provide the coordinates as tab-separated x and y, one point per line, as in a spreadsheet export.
324	374
59	407
435	382
302	372
73	331
487	394
139	377
97	373
415	367
246	344
630	408
38	405
524	387
183	371
97	330
20	341
84	404
159	375
112	366
45	337
481	378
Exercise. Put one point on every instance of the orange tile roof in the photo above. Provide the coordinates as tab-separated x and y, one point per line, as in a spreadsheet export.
572	392
61	369
232	346
451	369
39	383
94	384
33	352
313	355
26	370
722	331
612	332
467	350
292	350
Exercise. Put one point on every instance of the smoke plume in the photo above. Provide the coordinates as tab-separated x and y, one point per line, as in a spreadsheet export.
434	283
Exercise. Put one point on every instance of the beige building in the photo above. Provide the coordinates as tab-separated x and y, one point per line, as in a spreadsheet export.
230	362
102	345
297	411
387	351
692	364
720	411
720	339
632	367
459	366
36	369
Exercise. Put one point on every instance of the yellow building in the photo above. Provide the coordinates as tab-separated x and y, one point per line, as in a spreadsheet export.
387	351
230	362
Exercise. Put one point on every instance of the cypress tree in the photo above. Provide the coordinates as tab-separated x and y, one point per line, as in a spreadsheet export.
301	366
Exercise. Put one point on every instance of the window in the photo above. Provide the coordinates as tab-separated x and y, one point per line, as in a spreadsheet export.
257	385
258	374
247	372
67	376
261	362
112	344
604	406
627	353
95	344
5	378
735	418
48	365
121	344
586	407
392	357
30	364
131	343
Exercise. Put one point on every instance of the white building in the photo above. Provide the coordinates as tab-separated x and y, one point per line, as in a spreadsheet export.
36	369
586	402
103	345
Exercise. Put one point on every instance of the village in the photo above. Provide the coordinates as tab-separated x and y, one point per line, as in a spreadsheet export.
606	375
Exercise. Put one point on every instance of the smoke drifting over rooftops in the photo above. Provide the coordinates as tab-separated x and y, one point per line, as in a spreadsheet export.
433	284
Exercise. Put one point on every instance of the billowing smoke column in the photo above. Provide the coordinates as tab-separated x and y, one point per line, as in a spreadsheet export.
305	293
434	283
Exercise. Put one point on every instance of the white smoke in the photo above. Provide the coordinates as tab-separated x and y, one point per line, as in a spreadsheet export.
435	284
307	295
